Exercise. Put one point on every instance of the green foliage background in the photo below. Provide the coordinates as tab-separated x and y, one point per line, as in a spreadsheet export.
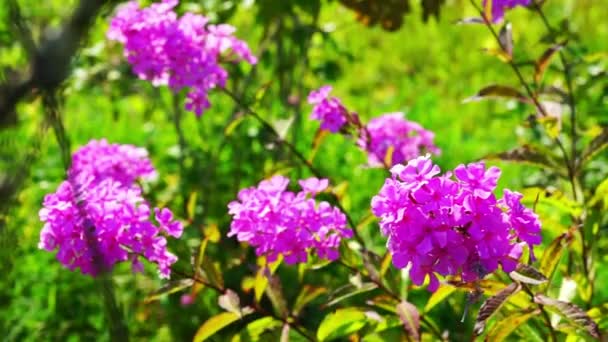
424	70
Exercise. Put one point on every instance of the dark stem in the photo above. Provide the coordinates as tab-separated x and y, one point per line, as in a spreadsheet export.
299	156
544	313
257	308
533	96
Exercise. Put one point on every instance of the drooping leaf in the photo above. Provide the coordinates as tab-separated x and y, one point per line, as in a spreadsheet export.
388	13
443	292
500	91
506	39
385	302
274	291
509	324
491	305
553	254
410	317
214	324
230	302
598	144
366	287
544	60
528	154
169	288
571	312
340	323
254	330
528	275
306	295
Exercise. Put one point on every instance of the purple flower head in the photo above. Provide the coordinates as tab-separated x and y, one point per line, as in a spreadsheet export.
327	109
406	138
98	216
441	225
279	222
500	6
180	52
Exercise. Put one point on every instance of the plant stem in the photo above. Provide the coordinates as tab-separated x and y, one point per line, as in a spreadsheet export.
257	308
544	313
570	164
299	156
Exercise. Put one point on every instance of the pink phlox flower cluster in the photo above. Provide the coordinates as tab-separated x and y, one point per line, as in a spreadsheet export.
329	110
500	6
408	139
452	224
182	52
276	221
98	216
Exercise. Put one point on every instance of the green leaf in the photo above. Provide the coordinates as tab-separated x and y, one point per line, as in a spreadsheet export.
212	232
385	302
366	287
198	261
491	305
340	323
234	124
306	295
169	288
601	194
211	271
529	154
274	291
554	199
443	292
528	275
598	144
553	254
543	62
191	206
410	317
215	324
500	91
254	330
509	324
571	312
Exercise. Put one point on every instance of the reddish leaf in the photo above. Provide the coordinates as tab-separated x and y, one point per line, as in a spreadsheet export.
571	312
491	305
543	62
410	317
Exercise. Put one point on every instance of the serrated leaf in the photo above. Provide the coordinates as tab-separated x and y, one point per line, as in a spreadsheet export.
491	305
527	154
230	302
500	91
169	288
509	324
598	144
543	62
443	292
528	275
307	295
506	39
410	317
571	312
340	323
214	324
366	287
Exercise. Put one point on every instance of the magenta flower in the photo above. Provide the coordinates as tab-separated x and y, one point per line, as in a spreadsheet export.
98	216
327	109
182	52
500	6
279	222
406	138
452	227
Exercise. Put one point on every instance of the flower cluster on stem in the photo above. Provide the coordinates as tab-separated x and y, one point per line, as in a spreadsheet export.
279	222
452	226
180	52
98	216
